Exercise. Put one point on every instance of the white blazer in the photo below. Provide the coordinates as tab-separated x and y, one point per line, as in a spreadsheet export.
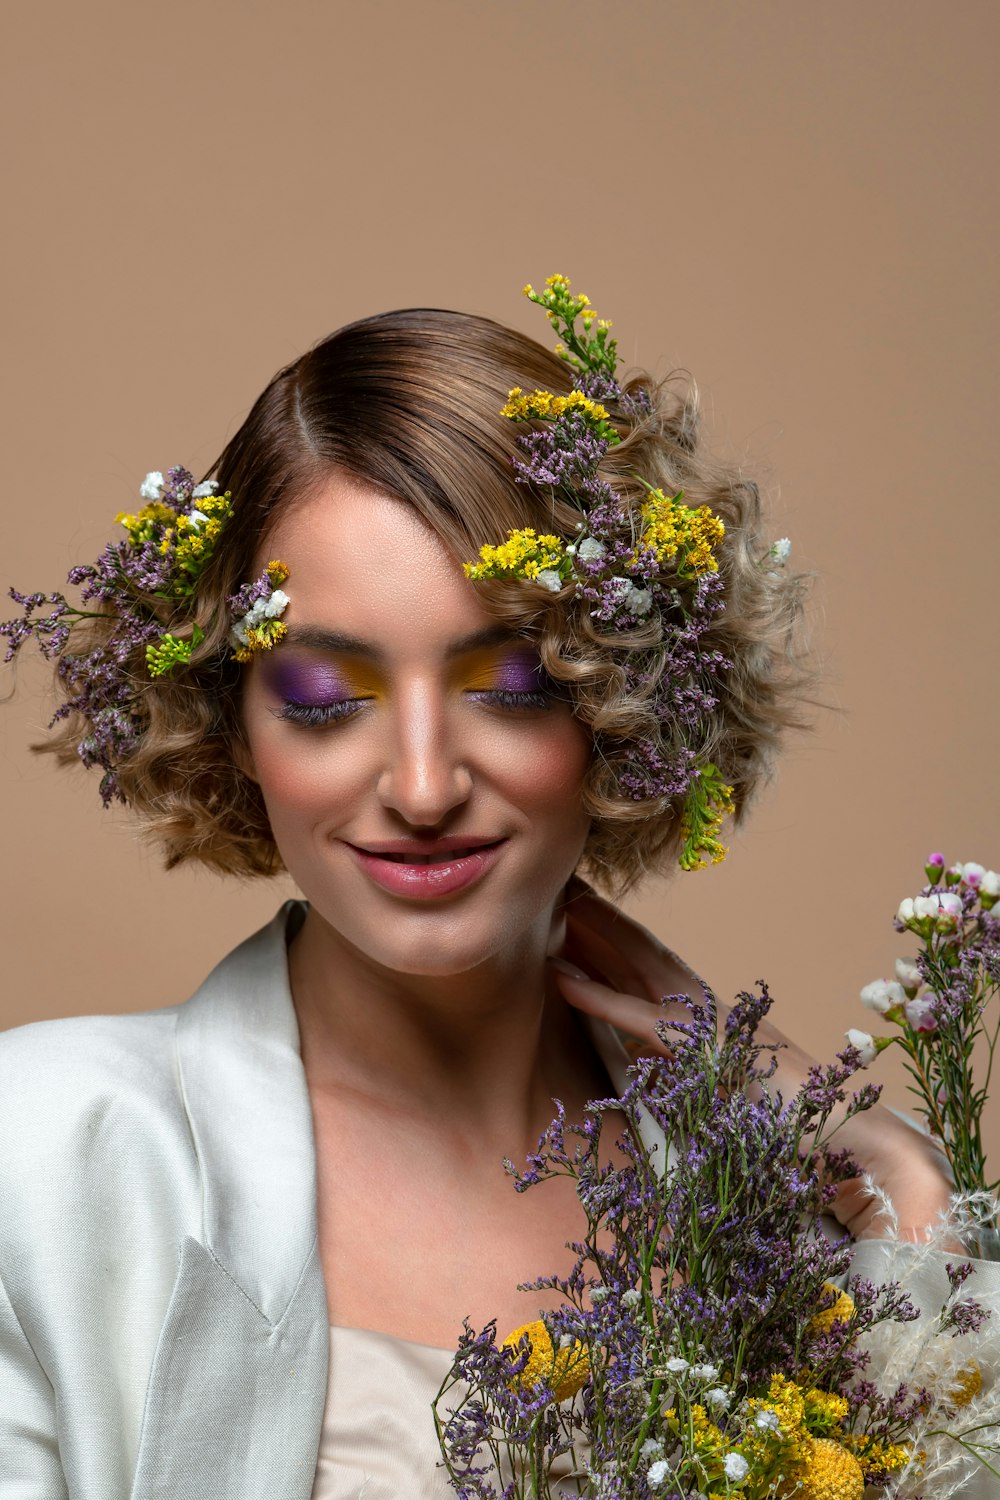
163	1318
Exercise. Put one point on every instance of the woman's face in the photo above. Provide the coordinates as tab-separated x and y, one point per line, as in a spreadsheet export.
422	781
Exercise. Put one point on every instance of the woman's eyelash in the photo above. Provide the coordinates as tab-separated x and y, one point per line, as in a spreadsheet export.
315	715
505	698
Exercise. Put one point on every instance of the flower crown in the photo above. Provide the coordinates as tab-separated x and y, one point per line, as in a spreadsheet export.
142	584
626	571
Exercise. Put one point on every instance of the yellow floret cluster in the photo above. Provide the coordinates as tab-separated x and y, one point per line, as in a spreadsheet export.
195	541
524	554
545	406
566	1370
146	524
675	530
841	1310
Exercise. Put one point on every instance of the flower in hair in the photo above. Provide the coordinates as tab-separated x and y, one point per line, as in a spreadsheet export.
142	592
647	577
258	608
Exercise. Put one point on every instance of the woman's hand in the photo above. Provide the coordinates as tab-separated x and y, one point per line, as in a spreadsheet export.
614	969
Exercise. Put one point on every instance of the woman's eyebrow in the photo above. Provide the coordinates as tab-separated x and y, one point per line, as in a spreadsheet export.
317	638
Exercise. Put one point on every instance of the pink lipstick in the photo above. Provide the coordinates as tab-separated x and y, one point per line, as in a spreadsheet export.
424	869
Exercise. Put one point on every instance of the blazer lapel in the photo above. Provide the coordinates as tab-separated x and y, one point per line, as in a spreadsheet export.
234	1406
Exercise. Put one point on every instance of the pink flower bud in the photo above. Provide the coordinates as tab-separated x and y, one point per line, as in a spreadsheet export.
920	1013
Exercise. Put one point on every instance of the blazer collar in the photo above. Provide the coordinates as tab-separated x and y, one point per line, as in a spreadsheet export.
244	1089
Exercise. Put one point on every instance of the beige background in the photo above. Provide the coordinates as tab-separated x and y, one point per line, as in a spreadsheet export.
795	201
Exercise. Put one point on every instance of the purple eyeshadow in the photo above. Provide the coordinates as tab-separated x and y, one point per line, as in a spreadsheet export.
519	672
309	684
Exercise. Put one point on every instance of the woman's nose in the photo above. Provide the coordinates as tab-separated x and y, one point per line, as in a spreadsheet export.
424	777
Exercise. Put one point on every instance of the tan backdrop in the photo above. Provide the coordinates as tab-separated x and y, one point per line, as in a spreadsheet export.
796	202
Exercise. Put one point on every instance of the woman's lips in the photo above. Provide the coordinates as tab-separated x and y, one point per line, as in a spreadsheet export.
424	874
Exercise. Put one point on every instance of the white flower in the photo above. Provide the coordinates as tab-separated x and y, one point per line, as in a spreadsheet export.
973	874
196	518
882	994
990	884
658	1474
200	491
275	605
767	1421
677	1365
865	1043
152	486
590	549
718	1397
920	1013
566	1341
907	973
638	601
780	550
650	1449
907	911
736	1467
949	904
632	1297
549	579
704	1372
599	1294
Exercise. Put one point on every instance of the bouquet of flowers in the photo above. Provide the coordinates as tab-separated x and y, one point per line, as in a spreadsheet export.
711	1340
941	1004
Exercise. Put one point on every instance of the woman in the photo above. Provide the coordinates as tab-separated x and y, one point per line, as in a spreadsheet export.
194	1198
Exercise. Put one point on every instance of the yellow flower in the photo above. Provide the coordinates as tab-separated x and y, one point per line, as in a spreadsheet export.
824	1411
968	1384
542	405
522	555
140	527
566	1370
677	531
841	1311
876	1456
831	1473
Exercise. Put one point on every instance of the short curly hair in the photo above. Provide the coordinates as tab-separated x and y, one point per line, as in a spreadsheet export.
409	402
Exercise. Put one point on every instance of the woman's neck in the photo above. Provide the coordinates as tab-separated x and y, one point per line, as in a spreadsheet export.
484	1051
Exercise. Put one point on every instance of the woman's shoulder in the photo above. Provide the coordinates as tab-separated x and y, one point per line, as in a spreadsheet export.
69	1087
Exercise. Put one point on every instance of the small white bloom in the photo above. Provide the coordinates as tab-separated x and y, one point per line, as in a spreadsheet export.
920	1013
566	1341
599	1294
780	550
549	579
196	518
767	1421
865	1044
638	601
718	1397
907	973
736	1467
152	486
907	911
990	884
972	874
275	605
882	994
591	550
677	1365
657	1474
925	906
201	491
948	904
704	1372
632	1297
239	635
651	1449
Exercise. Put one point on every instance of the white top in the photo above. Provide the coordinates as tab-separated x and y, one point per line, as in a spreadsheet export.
379	1440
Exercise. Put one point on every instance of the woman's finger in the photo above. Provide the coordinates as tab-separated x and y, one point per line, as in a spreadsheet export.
629	1013
627	953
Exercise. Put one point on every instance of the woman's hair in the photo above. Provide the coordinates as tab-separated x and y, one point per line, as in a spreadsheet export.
409	402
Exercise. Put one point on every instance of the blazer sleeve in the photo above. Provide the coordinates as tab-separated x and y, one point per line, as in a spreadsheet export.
29	1467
